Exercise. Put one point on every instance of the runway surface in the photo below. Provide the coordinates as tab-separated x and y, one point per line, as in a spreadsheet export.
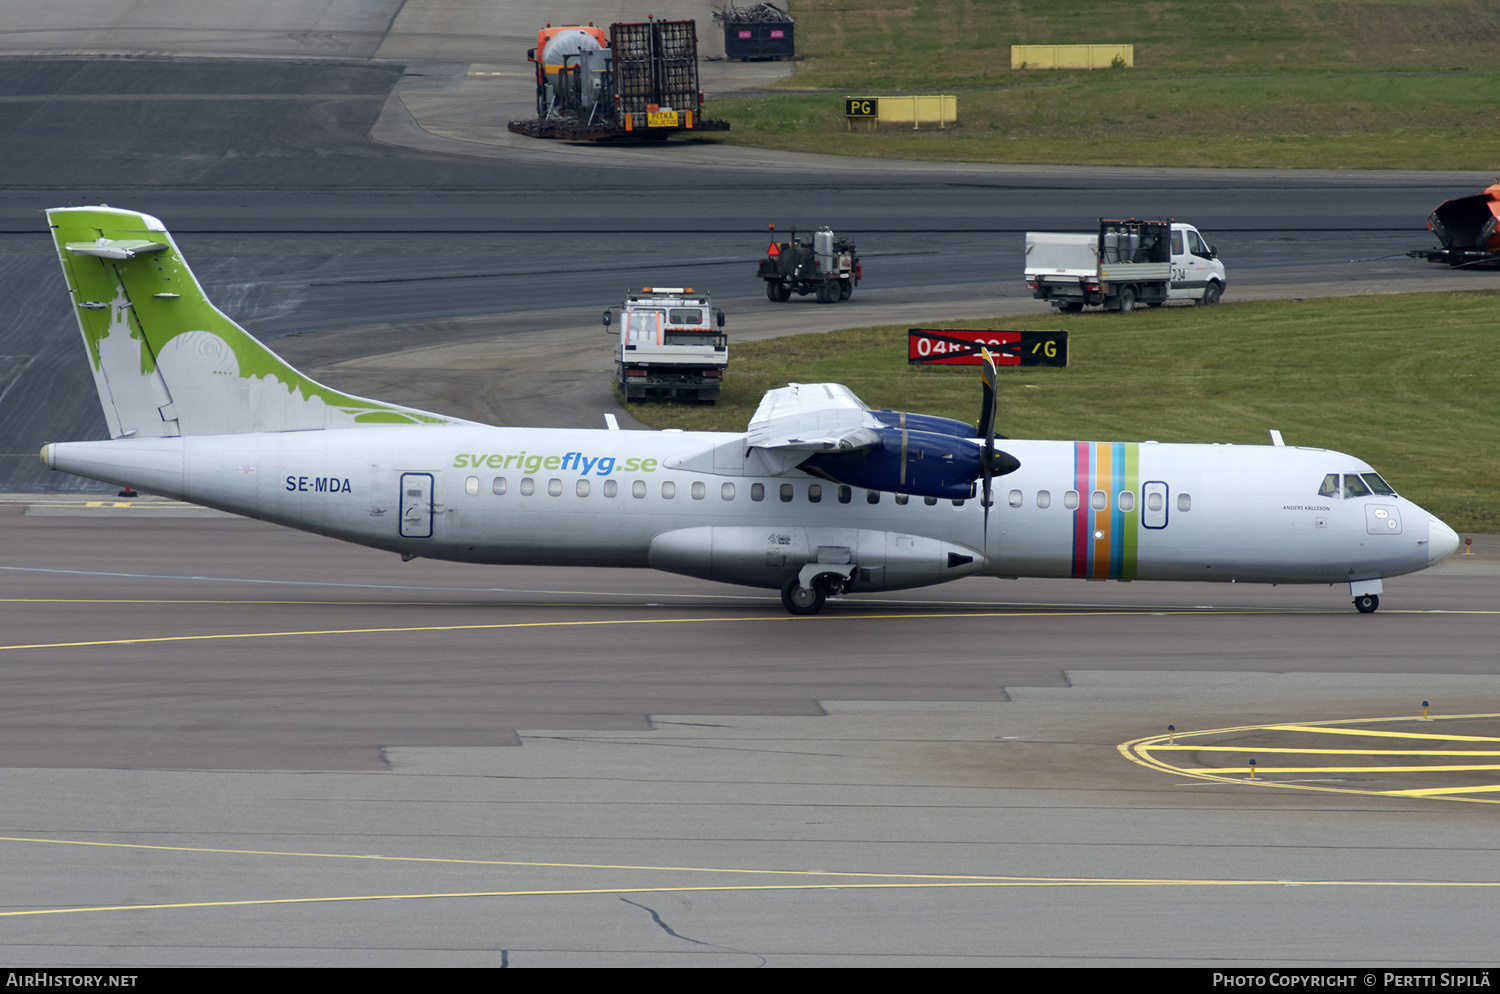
223	743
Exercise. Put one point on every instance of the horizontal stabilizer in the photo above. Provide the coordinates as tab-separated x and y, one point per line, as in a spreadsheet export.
115	248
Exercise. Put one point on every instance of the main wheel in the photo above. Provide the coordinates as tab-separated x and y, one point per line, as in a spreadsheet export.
1127	300
1366	603
1211	295
798	599
777	292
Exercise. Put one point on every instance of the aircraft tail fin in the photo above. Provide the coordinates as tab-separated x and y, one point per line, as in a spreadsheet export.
166	361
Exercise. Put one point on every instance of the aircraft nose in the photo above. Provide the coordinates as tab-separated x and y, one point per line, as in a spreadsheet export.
1442	541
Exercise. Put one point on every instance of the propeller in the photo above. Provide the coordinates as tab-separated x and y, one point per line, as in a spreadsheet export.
986	430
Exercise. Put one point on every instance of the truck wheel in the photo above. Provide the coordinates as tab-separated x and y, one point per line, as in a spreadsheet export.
846	289
798	599
1211	295
828	292
1127	300
1072	307
777	292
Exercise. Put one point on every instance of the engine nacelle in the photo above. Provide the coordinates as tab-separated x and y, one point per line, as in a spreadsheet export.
920	463
927	422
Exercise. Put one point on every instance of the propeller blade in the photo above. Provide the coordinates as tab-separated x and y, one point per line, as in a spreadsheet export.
986	426
987	432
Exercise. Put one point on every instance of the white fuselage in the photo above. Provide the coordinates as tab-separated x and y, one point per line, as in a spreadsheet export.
695	503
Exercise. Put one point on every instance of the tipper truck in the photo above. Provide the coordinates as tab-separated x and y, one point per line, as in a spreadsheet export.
671	344
1469	228
640	82
1127	263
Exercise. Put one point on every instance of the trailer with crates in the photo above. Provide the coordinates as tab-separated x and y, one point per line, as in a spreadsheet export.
639	81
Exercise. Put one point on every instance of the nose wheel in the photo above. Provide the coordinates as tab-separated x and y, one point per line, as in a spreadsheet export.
1366	603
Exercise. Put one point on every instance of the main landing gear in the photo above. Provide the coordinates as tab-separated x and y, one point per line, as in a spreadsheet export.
798	599
806	592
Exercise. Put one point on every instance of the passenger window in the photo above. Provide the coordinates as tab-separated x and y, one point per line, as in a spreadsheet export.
1070	500
930	501
498	487
1099	500
1044	498
1127	501
582	488
846	494
699	491
958	502
528	486
1184	502
1377	485
668	489
902	498
611	488
1016	499
471	485
757	491
814	494
1354	486
872	496
1154	502
726	492
786	493
1330	487
554	487
638	489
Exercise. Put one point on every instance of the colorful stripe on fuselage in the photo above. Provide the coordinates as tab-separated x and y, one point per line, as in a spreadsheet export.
1104	540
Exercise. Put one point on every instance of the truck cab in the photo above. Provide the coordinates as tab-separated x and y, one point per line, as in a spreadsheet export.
1197	273
671	344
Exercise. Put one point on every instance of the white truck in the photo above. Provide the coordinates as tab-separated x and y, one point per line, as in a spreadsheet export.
671	344
1127	263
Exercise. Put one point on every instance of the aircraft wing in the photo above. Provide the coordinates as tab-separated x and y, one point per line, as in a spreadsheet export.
812	417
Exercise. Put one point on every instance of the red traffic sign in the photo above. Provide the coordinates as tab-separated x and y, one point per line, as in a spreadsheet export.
961	347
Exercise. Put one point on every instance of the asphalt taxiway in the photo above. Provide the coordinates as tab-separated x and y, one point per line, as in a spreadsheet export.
225	743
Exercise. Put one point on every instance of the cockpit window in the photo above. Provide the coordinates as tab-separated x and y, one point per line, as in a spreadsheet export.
1377	485
1330	487
1354	486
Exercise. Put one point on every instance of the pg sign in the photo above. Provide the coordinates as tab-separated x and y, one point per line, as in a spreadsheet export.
862	107
958	347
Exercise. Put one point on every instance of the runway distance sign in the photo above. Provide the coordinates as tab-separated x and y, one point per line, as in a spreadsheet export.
960	347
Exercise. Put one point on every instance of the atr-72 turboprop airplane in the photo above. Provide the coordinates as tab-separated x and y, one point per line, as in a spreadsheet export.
821	496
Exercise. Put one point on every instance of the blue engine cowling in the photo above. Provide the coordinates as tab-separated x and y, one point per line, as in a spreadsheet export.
938	463
929	423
